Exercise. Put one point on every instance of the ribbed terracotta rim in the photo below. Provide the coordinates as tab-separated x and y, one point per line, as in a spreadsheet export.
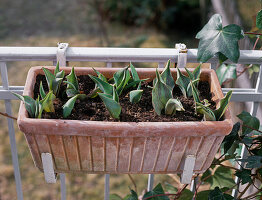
116	129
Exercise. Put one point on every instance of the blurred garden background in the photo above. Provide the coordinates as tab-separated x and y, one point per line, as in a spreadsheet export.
92	23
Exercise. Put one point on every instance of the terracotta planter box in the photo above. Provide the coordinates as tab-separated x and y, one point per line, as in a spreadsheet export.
123	147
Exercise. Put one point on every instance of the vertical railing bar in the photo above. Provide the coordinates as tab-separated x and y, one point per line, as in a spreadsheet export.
253	111
8	107
161	65
150	182
63	186
109	65
107	190
213	66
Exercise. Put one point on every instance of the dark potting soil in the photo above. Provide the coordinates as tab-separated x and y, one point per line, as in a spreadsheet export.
94	109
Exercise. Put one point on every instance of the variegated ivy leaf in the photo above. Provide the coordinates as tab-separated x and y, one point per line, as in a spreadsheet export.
183	81
102	85
69	105
223	104
72	84
112	106
47	102
172	106
30	104
161	93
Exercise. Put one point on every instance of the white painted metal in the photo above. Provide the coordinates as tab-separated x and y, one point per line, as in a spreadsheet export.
63	186
110	55
61	54
100	54
188	168
107	188
11	130
48	168
150	182
182	55
109	64
161	65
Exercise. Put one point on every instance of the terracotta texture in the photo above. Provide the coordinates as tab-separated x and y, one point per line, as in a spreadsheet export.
123	147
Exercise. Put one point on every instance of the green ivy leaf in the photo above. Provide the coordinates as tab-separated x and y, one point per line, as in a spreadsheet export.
156	191
250	121
222	178
223	104
215	38
172	106
114	197
203	195
244	175
132	196
161	93
170	188
252	161
226	72
102	85
182	81
217	194
186	195
112	106
259	20
231	138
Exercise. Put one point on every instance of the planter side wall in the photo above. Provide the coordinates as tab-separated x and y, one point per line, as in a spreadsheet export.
113	147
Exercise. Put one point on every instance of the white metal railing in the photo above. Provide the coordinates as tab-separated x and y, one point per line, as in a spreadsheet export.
109	56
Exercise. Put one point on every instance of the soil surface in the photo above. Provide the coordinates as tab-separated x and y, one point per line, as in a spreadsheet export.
94	109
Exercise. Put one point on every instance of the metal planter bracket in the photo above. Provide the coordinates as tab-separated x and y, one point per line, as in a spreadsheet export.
50	175
182	55
61	54
188	168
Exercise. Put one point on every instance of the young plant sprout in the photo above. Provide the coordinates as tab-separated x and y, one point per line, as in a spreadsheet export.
122	80
72	92
162	97
53	80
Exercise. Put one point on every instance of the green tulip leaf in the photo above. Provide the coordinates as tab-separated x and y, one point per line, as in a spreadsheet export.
47	102
134	72
223	104
100	76
72	90
172	106
207	112
69	105
161	93
49	78
167	76
135	96
112	106
102	85
42	91
182	81
30	104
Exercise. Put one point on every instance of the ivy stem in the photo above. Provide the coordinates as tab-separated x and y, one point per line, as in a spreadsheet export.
6	115
159	195
252	128
244	191
250	33
132	180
